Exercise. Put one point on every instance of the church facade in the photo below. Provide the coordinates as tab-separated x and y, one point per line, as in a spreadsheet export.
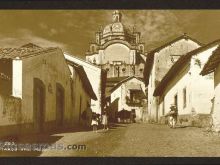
118	50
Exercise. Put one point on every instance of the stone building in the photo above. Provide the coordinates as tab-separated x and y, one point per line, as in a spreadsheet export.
213	66
97	78
36	90
159	61
187	89
119	50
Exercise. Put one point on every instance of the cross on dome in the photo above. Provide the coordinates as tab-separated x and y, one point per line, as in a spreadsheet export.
116	16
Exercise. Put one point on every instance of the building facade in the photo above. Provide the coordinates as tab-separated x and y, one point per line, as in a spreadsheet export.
129	94
187	89
37	93
118	50
158	63
82	95
213	66
97	78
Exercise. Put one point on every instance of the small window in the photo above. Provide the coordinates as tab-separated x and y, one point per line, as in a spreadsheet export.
176	100
184	98
141	49
93	48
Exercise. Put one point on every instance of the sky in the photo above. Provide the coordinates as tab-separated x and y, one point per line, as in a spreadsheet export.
73	30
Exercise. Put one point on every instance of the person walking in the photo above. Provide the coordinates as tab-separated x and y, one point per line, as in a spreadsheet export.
105	120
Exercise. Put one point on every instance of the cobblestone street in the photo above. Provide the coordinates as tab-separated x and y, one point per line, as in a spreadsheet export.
131	140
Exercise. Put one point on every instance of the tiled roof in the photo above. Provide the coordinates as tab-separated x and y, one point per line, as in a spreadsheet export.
184	36
183	60
212	63
123	81
150	55
23	51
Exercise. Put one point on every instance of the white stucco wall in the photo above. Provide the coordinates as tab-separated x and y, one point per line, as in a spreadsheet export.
17	78
121	93
78	92
162	63
199	89
176	88
94	75
203	86
117	94
216	110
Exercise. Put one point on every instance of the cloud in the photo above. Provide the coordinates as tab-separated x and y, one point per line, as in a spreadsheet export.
52	32
43	25
155	26
25	36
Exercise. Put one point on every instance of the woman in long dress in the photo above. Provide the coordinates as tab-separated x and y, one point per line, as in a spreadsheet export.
94	123
105	121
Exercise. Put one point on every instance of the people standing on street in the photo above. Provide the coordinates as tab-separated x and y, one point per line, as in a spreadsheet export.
132	116
94	123
172	116
105	120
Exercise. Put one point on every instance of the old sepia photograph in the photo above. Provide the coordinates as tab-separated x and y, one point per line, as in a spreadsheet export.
110	83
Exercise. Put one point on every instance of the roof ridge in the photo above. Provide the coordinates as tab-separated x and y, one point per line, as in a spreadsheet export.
9	53
74	56
185	36
186	56
124	80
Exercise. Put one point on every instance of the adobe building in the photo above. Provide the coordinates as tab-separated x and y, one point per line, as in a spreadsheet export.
213	67
187	89
118	50
158	63
97	79
129	94
36	90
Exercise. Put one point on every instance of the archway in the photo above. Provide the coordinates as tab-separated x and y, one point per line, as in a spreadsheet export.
39	104
59	104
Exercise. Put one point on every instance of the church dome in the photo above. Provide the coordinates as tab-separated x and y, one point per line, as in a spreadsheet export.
117	27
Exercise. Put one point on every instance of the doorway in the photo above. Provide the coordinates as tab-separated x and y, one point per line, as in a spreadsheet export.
59	105
39	104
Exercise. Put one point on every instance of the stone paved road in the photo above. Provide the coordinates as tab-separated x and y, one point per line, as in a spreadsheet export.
133	140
